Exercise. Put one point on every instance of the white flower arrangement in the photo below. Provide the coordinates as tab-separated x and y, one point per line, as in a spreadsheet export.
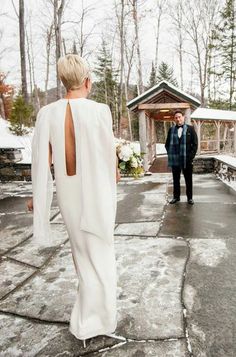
130	158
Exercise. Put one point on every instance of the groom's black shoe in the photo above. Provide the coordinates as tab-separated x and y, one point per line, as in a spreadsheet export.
174	200
191	201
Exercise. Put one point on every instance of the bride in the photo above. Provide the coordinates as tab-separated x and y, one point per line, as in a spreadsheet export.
76	133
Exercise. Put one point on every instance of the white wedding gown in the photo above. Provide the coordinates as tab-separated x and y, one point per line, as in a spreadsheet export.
87	201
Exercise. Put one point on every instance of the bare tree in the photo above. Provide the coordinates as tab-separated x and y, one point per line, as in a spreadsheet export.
160	9
31	57
83	32
3	48
134	8
82	35
58	8
120	16
178	23
199	16
22	49
48	40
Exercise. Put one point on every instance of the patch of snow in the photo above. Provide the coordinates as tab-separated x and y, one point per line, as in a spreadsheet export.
213	114
160	148
208	253
227	159
9	140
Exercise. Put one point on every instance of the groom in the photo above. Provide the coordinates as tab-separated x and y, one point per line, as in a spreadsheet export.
181	146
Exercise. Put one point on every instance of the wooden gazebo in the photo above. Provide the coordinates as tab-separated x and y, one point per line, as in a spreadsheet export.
159	103
224	122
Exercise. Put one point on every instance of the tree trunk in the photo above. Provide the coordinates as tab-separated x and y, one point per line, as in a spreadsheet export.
58	11
121	35
135	18
22	50
48	50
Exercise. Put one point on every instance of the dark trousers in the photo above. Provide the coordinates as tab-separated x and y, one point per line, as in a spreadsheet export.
188	176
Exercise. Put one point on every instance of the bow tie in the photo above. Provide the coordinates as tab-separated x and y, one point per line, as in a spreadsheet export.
180	126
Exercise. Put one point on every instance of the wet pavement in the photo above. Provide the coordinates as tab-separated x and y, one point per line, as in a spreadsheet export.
176	275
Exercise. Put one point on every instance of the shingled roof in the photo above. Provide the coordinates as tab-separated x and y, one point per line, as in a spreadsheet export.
154	94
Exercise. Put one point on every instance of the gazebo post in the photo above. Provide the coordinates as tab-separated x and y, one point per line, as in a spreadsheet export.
188	116
143	137
153	139
235	138
218	135
149	140
198	125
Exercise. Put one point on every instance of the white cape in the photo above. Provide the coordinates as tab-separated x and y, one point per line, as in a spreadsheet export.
95	150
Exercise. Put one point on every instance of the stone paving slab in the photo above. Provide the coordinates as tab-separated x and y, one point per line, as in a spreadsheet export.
208	189
50	295
210	298
153	185
15	228
58	219
28	252
205	220
12	274
152	349
141	229
149	298
26	338
149	287
150	278
138	207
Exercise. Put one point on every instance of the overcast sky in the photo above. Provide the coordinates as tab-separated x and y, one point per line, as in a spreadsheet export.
100	17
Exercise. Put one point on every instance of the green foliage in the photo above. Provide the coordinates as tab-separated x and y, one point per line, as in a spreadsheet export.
21	115
135	127
106	86
222	104
166	73
224	43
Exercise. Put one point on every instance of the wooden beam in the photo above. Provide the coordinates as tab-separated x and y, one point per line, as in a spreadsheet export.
158	106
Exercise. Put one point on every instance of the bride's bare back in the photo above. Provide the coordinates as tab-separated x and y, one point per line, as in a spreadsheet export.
70	148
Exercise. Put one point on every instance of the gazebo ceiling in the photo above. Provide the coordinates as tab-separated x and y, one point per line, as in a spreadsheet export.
163	92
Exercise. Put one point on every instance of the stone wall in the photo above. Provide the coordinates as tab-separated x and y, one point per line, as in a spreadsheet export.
15	172
203	165
8	155
224	171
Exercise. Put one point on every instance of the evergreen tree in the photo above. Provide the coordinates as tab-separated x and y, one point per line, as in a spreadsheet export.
152	78
224	43
166	73
20	118
106	88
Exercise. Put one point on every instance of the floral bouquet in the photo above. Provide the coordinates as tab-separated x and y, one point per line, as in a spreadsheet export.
130	158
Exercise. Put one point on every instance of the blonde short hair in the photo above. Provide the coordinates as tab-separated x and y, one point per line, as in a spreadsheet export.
73	70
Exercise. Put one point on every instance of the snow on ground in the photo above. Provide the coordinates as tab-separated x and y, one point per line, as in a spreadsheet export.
160	148
229	160
9	140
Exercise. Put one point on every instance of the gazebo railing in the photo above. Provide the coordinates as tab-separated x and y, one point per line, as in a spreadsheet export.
226	146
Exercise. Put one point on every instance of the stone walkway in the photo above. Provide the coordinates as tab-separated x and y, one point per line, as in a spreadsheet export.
176	271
